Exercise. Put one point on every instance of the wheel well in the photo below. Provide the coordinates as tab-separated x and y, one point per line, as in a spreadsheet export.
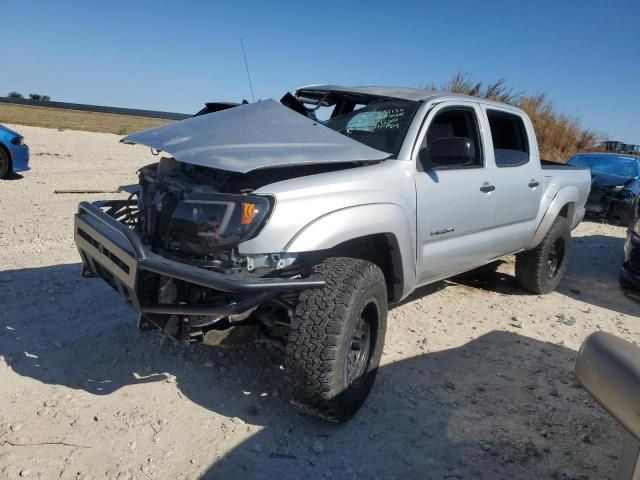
8	153
381	249
566	211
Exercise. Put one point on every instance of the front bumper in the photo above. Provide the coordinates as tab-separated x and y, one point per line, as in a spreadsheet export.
19	158
612	206
114	252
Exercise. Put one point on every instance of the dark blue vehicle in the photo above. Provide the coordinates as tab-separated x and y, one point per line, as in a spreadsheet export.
615	185
14	154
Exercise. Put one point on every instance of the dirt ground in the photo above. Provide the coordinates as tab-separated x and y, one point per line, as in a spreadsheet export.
476	379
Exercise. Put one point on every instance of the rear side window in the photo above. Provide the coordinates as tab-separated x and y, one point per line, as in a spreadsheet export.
510	141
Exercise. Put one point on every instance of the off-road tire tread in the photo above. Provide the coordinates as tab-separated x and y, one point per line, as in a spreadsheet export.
317	331
530	265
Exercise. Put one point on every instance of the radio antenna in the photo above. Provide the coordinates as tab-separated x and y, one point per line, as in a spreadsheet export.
246	65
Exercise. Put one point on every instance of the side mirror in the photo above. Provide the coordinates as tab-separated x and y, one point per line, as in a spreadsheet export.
448	152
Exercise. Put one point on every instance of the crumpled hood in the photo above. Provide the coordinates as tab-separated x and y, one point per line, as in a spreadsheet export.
600	180
249	137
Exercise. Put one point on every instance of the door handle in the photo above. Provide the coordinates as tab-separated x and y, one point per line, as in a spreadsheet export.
487	187
533	183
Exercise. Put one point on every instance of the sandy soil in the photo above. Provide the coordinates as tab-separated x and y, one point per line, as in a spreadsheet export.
477	376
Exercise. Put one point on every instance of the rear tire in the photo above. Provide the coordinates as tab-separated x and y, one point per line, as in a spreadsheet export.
336	339
5	164
541	269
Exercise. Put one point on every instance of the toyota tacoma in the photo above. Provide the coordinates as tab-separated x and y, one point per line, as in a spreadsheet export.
307	217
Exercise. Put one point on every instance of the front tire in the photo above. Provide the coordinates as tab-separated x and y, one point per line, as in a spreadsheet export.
541	269
5	164
336	339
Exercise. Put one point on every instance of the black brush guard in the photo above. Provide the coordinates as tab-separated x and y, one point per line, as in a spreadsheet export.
113	251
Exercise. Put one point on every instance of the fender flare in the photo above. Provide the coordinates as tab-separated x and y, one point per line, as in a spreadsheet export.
566	196
359	221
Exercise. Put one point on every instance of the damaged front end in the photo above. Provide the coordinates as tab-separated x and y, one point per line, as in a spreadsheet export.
613	200
170	251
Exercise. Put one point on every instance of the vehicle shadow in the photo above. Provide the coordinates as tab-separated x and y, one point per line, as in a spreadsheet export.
421	292
491	280
592	276
503	406
14	176
500	406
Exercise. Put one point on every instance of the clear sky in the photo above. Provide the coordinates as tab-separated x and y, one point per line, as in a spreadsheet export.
175	55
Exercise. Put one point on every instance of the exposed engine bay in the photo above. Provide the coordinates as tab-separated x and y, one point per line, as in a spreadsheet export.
187	212
198	216
614	198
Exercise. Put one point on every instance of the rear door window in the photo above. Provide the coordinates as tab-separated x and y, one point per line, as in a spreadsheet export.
510	141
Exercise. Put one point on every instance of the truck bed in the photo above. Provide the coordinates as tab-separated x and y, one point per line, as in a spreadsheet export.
551	165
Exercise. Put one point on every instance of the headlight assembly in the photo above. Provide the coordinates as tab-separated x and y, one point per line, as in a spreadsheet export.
203	224
17	141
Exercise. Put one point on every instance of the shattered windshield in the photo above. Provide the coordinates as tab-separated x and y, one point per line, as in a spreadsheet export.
381	125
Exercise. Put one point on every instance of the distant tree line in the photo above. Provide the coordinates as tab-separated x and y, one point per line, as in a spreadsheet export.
32	96
559	135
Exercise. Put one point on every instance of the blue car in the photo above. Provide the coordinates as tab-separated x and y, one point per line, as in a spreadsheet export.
14	154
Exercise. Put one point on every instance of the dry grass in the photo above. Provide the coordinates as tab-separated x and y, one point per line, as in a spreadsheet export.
559	136
74	119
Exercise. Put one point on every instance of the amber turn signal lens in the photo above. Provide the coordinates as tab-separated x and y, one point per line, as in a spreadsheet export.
249	211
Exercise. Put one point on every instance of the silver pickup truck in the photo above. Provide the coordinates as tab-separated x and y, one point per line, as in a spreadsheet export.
306	218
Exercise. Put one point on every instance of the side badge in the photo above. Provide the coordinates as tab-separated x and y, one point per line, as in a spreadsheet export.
442	231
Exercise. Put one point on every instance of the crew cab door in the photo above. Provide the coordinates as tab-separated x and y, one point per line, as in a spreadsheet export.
517	177
455	192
